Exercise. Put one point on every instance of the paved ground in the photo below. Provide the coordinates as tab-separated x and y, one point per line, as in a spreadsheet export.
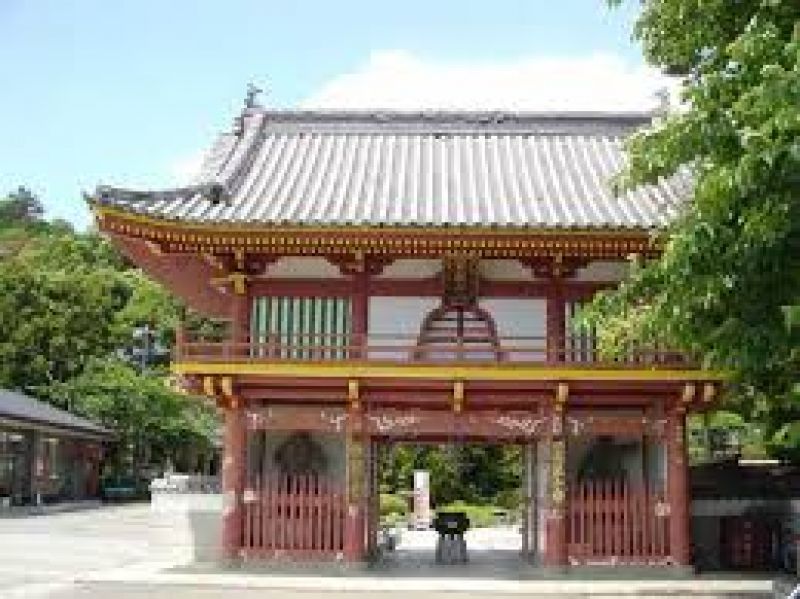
38	553
111	553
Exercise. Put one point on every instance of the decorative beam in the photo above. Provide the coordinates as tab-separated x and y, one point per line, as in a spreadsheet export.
226	386
378	241
353	395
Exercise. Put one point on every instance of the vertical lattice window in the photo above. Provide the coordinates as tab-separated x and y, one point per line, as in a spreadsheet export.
301	328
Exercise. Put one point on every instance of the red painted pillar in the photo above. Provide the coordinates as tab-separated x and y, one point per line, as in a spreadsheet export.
360	311
240	320
556	321
555	553
233	478
355	517
678	488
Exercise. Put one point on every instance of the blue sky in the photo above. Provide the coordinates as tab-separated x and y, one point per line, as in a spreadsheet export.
130	92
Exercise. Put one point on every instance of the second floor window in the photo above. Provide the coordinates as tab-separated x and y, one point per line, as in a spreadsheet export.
301	328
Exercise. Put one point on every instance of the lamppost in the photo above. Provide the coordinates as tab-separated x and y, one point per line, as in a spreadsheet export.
146	349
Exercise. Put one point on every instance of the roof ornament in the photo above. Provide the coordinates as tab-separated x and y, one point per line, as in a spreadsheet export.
253	91
250	103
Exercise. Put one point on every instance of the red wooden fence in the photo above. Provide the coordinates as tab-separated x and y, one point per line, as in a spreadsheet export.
297	516
613	522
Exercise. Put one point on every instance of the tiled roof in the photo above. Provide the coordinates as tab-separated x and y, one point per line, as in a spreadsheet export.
25	410
416	169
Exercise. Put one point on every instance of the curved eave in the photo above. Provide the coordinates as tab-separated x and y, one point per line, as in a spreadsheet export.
168	236
103	212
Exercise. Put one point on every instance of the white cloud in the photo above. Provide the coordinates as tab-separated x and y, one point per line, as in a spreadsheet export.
397	79
185	169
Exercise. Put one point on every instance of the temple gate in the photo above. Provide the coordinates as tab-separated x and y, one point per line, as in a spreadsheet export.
396	276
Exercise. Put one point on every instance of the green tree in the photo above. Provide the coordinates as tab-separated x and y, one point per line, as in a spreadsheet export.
731	263
154	424
54	322
20	207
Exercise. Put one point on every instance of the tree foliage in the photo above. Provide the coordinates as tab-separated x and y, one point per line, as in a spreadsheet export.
730	266
68	303
152	422
473	473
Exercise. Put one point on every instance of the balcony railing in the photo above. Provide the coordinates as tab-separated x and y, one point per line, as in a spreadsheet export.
404	349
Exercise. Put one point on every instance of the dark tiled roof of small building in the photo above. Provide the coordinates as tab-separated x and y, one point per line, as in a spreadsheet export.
25	410
470	169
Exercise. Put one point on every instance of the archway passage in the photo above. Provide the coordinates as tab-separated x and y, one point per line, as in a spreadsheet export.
485	480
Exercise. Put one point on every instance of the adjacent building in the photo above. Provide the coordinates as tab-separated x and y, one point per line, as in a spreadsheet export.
415	276
46	454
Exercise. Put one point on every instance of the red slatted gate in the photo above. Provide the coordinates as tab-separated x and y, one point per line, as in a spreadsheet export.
294	515
614	522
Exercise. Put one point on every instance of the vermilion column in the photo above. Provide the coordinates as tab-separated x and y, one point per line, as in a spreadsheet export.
678	488
240	315
360	310
233	478
556	320
355	517
555	553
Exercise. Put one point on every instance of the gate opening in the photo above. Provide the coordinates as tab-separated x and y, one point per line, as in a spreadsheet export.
487	482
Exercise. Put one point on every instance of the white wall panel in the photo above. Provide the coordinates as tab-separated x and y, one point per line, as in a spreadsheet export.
296	267
520	317
505	270
603	271
401	316
411	269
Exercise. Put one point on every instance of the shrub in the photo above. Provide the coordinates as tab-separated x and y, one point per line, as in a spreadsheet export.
392	504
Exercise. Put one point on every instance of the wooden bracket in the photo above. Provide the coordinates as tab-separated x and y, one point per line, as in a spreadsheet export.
239	259
353	394
237	281
359	262
689	392
209	388
214	261
458	396
709	392
154	247
562	394
226	385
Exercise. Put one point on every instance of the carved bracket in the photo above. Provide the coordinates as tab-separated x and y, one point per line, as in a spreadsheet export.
557	267
359	262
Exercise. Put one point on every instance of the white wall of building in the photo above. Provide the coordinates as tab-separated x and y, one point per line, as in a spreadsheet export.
408	268
398	317
601	270
298	267
505	270
520	317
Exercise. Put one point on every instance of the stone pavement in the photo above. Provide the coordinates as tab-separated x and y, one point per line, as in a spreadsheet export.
45	552
110	553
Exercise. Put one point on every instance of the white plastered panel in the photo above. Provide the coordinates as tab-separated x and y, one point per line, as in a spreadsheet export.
519	317
603	271
505	270
294	267
411	269
396	321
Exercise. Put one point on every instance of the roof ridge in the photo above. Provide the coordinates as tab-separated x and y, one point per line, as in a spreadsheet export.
489	116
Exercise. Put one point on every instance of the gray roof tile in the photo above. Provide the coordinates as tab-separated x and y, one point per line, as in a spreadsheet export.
416	169
15	406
